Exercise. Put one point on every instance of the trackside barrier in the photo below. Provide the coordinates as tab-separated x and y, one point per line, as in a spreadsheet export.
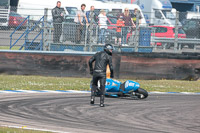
96	48
190	42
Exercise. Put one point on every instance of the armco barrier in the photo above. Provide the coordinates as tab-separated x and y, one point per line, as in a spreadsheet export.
126	65
96	48
63	47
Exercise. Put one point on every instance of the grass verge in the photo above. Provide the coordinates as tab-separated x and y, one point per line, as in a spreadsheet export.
18	82
8	48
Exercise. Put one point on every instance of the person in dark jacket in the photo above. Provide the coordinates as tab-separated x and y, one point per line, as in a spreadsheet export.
58	17
102	59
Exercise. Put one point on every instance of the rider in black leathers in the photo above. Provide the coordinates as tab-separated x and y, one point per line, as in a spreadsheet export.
102	59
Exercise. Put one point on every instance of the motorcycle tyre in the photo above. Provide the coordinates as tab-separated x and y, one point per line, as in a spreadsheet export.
143	93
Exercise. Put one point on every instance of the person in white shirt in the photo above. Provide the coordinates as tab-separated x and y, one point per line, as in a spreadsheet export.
102	26
79	20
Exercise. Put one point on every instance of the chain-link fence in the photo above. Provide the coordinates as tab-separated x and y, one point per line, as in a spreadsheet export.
35	29
19	29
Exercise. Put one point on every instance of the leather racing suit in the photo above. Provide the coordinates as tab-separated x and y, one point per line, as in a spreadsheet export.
102	59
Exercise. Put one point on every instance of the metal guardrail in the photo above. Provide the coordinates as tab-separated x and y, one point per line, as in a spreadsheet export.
180	41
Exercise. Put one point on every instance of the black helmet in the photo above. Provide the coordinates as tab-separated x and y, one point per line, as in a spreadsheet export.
108	47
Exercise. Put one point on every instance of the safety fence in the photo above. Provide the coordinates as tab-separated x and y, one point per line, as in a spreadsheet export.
170	31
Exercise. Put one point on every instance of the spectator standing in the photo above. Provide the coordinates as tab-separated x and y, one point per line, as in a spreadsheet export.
79	20
101	59
91	20
120	24
58	17
128	24
134	16
102	26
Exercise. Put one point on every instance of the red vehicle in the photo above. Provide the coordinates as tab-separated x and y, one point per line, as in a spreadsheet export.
15	20
112	23
167	31
164	31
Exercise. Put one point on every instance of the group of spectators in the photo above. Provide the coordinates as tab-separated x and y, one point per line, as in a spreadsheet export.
89	18
124	22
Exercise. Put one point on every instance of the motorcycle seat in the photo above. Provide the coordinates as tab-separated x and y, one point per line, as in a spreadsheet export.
122	86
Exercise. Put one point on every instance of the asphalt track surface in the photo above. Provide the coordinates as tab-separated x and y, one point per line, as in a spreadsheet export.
65	112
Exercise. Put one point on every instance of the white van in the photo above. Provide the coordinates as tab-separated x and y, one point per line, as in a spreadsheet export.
35	8
157	12
193	15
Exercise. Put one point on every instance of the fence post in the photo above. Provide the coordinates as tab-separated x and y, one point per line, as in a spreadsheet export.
85	37
136	36
45	32
153	31
176	32
91	39
27	30
97	31
62	34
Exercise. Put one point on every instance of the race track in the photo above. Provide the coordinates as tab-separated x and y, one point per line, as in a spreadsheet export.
67	112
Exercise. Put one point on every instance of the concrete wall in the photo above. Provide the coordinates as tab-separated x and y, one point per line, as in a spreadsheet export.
126	65
160	66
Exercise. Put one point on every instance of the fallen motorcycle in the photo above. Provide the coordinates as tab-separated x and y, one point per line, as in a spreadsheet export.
129	88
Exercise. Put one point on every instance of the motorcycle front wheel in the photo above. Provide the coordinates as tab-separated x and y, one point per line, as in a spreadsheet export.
142	93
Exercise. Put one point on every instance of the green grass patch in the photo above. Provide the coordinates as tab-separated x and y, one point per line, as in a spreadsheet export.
170	85
18	82
8	48
16	130
15	82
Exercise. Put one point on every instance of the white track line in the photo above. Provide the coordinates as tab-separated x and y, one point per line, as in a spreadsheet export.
76	91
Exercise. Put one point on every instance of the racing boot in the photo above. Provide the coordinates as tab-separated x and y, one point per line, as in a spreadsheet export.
92	100
102	101
92	97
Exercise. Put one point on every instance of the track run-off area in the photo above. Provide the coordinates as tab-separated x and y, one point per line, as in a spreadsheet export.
72	113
